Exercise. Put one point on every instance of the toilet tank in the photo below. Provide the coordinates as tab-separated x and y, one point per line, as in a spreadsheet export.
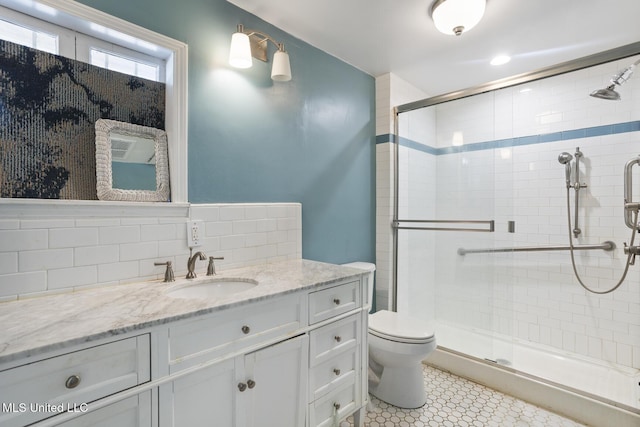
370	269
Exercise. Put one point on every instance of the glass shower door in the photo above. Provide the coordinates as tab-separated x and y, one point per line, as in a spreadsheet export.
450	199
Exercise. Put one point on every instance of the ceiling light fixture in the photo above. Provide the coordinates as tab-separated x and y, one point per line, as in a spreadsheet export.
246	44
455	16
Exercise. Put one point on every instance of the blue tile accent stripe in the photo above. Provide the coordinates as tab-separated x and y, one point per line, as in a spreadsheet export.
612	129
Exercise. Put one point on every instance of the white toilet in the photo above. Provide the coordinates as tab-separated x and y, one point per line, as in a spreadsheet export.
397	346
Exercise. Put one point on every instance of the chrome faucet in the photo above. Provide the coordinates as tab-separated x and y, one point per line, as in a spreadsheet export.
211	268
191	263
168	273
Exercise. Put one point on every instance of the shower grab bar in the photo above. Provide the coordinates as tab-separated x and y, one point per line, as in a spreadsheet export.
629	205
489	223
605	246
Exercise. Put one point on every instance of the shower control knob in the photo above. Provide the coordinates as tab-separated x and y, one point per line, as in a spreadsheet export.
633	250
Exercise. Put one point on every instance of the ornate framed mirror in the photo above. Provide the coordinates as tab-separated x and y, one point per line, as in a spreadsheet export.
131	162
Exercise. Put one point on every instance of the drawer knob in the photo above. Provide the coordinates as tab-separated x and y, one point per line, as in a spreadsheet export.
251	383
246	329
242	386
337	406
336	301
336	371
337	338
72	382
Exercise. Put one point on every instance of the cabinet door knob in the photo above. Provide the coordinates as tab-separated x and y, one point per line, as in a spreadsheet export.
337	338
72	382
246	329
336	371
242	386
251	383
336	301
336	405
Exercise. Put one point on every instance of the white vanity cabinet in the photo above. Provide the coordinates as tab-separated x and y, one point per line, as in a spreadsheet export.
134	411
337	356
292	358
262	388
74	381
291	361
243	369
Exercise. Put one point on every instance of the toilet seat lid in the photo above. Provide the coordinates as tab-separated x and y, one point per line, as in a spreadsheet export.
399	327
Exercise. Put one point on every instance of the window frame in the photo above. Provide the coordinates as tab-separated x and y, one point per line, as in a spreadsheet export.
95	23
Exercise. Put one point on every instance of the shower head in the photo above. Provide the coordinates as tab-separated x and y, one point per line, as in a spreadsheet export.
565	159
609	94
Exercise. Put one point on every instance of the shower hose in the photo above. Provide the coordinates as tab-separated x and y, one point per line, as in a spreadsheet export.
573	261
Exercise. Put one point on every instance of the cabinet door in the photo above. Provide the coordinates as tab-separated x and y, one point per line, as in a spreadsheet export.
134	411
202	398
278	393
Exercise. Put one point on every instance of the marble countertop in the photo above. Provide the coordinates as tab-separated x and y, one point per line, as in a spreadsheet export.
33	326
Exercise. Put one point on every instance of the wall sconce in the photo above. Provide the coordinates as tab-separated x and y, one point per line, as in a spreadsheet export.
455	16
246	44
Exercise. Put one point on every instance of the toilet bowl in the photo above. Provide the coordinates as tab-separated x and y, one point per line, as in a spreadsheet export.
397	346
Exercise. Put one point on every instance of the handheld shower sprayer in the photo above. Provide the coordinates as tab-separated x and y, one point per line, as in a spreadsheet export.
565	159
631	209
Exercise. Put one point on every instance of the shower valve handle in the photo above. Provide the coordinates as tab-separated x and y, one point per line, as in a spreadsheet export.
633	250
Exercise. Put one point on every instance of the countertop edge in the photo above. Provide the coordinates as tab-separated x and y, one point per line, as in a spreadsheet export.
157	320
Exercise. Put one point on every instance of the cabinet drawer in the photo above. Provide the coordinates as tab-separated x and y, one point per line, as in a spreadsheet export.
333	373
134	411
37	390
333	301
231	330
331	339
330	409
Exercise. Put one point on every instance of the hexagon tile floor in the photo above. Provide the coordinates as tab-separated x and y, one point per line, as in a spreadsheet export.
457	402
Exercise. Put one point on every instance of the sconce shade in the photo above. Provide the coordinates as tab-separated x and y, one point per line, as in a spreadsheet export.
457	16
240	52
281	69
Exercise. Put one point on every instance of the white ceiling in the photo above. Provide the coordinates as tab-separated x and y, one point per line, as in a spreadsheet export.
398	36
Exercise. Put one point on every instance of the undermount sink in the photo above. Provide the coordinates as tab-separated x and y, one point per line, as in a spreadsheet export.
212	288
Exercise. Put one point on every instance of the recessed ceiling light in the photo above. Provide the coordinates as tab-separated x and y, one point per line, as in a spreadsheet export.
500	59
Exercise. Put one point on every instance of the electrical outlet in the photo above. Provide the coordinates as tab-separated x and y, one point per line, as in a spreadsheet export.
194	233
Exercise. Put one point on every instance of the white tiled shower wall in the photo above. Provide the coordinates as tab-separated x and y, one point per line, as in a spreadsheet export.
42	253
532	296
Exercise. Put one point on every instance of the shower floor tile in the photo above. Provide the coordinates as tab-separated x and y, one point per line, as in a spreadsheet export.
457	402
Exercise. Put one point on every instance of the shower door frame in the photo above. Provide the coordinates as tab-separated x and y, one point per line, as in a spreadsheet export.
562	68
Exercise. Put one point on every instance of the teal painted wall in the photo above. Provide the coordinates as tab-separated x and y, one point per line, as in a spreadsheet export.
310	140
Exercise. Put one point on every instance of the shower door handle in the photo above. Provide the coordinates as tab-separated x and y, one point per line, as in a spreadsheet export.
629	205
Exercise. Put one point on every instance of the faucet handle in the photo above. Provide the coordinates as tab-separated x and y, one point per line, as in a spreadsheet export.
168	273
211	268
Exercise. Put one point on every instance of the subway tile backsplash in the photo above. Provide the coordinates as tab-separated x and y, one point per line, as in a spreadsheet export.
41	255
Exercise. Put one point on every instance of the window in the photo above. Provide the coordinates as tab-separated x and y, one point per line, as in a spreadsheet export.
72	18
32	32
121	64
28	37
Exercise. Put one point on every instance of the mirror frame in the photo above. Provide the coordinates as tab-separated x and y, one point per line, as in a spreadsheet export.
104	175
